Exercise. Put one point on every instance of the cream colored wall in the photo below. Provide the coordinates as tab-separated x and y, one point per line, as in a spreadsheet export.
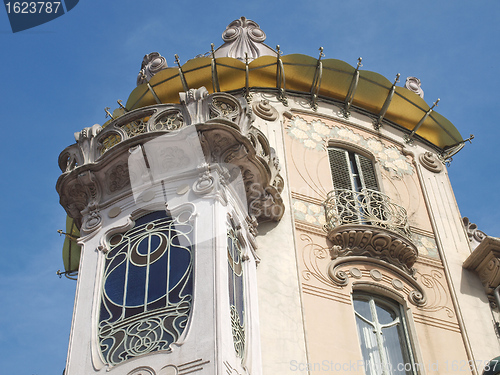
448	331
329	317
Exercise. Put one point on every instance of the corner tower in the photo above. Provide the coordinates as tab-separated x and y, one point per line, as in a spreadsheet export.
337	174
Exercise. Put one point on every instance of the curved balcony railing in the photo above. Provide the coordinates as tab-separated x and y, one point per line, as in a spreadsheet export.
368	207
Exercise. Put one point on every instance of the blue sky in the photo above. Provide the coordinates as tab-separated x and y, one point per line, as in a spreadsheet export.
57	78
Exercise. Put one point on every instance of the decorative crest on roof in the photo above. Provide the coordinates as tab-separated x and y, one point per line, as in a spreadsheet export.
243	38
414	84
152	63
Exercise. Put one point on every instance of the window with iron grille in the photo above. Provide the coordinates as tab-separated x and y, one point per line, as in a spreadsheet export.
236	290
147	288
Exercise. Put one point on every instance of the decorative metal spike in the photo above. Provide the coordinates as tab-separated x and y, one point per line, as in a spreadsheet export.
321	54
108	114
215	76
315	87
121	105
280	77
248	96
397	78
181	74
378	122
352	91
359	63
409	138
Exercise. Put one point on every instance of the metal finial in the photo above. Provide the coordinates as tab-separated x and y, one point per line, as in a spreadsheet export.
397	78
280	52
212	48
321	54
177	61
471	137
70	236
359	62
108	114
120	104
408	139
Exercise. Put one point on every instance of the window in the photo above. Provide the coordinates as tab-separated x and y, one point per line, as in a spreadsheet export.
383	336
147	287
351	171
356	196
236	291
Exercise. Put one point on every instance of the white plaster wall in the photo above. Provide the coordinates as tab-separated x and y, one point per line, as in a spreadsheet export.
280	306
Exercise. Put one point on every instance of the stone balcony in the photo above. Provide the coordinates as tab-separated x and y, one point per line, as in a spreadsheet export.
367	223
96	169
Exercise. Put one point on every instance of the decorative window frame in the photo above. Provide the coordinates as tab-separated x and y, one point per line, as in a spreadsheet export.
369	276
243	229
123	226
396	302
238	324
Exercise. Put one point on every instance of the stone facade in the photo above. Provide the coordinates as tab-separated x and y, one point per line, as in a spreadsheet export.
275	259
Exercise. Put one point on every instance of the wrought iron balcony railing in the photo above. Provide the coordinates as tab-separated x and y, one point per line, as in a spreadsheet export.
368	207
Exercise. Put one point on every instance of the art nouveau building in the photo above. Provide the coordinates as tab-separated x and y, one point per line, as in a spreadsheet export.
250	212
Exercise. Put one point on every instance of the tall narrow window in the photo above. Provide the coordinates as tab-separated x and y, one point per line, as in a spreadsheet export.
236	291
147	287
383	336
351	171
356	192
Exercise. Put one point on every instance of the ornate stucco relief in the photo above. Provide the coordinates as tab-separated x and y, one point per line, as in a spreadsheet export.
334	279
311	213
309	170
426	245
316	133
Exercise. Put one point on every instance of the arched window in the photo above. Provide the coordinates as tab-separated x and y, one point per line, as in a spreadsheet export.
351	171
383	336
147	287
356	191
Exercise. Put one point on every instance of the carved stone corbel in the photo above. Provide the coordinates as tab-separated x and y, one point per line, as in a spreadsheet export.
194	101
85	140
485	261
91	217
374	242
80	197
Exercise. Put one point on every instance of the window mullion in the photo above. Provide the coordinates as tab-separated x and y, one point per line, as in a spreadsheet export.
377	329
125	287
146	286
